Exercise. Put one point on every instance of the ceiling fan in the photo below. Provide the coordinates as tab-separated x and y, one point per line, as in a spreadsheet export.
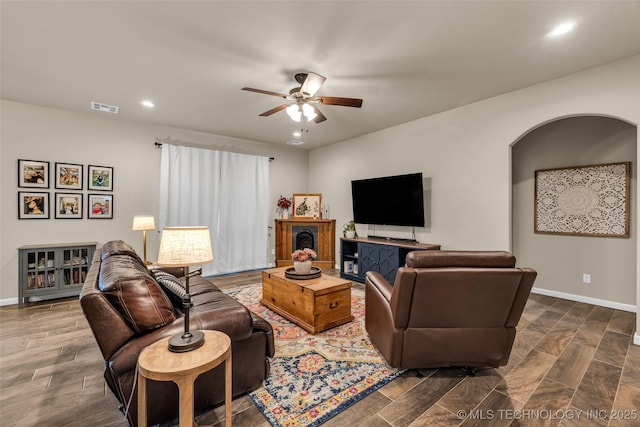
302	101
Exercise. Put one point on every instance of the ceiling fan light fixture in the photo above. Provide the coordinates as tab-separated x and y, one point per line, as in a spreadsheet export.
294	112
308	112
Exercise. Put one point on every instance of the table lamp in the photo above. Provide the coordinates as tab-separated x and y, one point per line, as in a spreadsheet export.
144	223
184	247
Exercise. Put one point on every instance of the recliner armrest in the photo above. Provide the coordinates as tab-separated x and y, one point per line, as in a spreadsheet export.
380	283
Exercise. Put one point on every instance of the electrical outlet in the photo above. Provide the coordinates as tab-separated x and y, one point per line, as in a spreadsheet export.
273	251
586	278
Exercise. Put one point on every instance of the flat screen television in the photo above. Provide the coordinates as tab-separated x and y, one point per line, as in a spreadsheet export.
389	200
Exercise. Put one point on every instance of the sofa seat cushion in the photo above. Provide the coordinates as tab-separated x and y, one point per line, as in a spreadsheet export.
213	309
134	293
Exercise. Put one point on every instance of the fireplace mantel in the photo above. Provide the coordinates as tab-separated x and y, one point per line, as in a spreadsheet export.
326	243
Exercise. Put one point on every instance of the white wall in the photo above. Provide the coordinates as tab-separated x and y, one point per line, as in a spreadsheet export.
36	133
466	153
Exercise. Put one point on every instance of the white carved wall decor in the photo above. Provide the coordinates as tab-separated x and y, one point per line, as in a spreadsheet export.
583	200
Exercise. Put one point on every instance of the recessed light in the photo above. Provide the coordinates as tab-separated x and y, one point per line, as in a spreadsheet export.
297	133
148	103
561	29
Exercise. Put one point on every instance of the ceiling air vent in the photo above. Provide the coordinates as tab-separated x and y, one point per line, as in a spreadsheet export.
98	106
295	142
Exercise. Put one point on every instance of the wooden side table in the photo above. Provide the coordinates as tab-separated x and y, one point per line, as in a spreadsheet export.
156	362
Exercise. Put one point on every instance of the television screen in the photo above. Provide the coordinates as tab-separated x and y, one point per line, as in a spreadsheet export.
390	200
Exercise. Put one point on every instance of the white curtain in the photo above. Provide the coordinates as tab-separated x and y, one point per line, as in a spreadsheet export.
228	192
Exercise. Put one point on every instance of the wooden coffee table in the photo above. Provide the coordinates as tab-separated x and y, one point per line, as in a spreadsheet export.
315	304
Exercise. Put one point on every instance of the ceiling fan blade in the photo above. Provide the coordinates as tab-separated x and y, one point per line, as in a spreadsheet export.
274	110
312	83
266	92
345	102
319	116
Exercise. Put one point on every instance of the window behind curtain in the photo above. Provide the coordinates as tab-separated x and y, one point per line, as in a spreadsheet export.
228	192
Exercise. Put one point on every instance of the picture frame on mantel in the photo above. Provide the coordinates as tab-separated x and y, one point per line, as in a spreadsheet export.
307	205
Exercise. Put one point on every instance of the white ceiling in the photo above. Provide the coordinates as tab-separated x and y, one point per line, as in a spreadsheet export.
406	59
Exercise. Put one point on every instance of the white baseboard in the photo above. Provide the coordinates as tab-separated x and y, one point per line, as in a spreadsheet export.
587	300
636	338
8	301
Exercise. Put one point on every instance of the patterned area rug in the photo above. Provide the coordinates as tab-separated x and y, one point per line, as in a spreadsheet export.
314	377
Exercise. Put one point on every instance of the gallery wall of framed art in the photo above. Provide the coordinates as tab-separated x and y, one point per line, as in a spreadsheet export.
69	203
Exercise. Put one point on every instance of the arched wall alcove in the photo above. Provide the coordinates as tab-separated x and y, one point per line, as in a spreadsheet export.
562	260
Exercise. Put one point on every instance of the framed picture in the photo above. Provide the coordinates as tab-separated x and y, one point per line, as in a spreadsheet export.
33	173
583	200
307	206
68	206
33	205
100	178
100	206
68	176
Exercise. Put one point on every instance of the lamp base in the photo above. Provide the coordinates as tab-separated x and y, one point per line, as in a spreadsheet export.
181	344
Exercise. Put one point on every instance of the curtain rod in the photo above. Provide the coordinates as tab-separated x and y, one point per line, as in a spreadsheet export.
159	144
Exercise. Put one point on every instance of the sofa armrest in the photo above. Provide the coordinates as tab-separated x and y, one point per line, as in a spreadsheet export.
259	324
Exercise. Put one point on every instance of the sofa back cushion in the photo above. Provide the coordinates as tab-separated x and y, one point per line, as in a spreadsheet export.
129	287
120	247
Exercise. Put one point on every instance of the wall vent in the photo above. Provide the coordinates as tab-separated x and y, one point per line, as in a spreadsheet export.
295	142
98	106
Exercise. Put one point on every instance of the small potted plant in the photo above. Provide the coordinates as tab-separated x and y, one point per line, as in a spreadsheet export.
349	230
284	204
302	260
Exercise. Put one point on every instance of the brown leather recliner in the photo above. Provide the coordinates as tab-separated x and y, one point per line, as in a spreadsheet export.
448	308
127	309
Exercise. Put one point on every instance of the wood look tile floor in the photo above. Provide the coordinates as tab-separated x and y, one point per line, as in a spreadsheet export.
572	364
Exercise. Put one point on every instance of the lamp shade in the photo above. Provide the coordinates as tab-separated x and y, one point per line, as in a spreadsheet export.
185	246
143	222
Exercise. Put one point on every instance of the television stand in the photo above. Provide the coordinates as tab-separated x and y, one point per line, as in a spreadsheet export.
381	254
392	239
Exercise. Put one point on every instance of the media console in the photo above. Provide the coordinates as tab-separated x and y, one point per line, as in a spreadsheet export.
359	255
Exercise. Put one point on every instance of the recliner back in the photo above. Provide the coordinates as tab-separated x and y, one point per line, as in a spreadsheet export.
449	308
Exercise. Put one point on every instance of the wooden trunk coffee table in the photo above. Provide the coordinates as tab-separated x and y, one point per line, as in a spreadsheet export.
314	304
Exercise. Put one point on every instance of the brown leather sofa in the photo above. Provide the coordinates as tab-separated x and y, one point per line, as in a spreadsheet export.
448	308
128	309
